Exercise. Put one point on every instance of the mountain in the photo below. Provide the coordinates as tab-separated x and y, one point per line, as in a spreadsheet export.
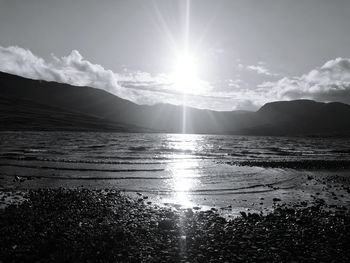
28	104
304	117
22	114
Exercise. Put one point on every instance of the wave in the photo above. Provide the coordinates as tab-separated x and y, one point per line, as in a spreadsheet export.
94	178
345	151
270	186
95	146
297	164
139	148
62	160
201	192
106	159
82	169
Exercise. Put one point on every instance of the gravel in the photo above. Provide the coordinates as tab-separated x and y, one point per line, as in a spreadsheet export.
61	225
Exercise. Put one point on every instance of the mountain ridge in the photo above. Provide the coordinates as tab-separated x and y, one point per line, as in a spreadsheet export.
92	107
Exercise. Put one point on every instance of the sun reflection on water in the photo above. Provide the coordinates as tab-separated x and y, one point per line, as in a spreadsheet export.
184	169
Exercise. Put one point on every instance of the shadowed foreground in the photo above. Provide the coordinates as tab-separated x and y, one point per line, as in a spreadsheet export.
105	226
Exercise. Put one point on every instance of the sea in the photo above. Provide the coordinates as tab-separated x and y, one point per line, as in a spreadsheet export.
181	170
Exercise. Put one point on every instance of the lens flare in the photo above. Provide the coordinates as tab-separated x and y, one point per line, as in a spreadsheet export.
185	76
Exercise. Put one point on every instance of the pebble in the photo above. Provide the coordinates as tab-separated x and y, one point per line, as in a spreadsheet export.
106	226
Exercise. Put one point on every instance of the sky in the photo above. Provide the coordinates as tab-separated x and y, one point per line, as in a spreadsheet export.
220	55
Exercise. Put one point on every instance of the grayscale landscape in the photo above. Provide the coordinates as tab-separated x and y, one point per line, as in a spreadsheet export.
174	131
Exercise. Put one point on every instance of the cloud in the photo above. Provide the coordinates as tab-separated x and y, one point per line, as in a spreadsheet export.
246	105
75	70
72	69
330	82
139	87
260	69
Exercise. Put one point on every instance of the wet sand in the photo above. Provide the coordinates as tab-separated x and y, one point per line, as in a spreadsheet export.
257	193
61	225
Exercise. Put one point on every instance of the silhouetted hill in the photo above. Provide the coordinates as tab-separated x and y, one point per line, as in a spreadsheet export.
21	114
34	104
305	117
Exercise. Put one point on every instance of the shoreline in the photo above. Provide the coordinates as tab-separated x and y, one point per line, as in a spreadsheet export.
81	225
297	164
332	187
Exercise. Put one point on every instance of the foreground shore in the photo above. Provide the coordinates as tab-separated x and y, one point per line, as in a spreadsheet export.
83	225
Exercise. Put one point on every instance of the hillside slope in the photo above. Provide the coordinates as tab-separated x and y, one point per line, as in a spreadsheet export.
36	104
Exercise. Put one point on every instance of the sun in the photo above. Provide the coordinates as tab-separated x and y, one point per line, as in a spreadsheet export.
185	76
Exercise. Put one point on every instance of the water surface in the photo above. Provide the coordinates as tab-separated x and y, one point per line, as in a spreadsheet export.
189	170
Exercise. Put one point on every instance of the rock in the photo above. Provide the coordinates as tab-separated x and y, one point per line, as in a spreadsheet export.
169	214
166	224
254	216
120	229
177	206
244	215
189	212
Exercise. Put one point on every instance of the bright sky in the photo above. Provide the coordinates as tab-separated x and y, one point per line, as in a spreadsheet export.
222	54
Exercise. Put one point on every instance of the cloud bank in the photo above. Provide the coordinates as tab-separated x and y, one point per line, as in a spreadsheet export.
72	69
330	82
139	87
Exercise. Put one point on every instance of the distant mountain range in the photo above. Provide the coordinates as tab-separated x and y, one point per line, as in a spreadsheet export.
27	104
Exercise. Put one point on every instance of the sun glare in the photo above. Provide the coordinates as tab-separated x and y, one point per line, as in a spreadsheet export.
185	76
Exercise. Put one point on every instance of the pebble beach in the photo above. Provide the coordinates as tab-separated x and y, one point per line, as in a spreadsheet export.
81	225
